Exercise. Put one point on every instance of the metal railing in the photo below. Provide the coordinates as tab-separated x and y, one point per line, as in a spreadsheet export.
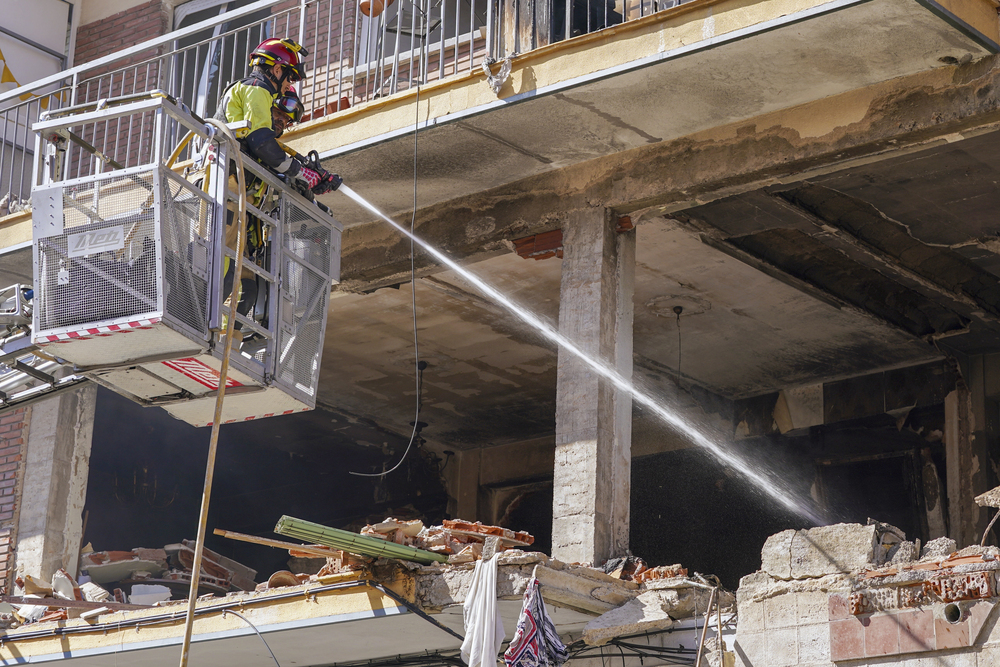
358	51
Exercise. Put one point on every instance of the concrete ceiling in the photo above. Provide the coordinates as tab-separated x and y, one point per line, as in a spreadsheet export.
682	89
492	380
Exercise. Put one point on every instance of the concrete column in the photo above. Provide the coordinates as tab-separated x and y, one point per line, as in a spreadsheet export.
56	468
592	478
971	446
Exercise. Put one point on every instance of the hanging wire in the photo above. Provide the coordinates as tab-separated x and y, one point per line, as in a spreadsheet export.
989	528
247	621
418	365
677	311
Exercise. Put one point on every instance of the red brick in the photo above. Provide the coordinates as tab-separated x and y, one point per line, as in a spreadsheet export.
11	419
7	451
4	516
881	635
847	639
977	612
948	635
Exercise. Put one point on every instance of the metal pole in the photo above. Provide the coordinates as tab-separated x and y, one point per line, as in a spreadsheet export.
704	628
213	443
718	618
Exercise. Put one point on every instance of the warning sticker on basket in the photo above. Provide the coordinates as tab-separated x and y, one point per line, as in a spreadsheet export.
99	240
199	372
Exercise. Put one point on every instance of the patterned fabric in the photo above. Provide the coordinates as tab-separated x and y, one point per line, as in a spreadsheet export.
536	642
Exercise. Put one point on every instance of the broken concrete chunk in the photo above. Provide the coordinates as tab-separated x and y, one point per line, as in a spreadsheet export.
105	567
817	552
149	594
904	552
65	587
652	610
939	548
94	593
649	611
989	499
34	586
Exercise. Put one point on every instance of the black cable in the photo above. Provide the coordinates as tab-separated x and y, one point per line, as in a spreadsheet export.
247	621
413	302
415	609
676	310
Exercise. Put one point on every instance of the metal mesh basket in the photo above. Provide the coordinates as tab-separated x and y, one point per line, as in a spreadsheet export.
106	266
186	226
306	238
103	267
300	330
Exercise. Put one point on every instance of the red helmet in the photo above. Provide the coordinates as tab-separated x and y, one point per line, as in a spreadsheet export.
285	52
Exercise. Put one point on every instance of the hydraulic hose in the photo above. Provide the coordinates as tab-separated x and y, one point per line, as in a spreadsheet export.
185	140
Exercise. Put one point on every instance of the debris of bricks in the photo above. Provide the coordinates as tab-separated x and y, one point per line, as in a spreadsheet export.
461	541
661	572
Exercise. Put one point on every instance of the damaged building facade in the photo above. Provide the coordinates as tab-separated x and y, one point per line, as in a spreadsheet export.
775	219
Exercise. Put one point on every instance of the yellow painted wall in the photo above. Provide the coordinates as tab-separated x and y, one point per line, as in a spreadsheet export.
261	608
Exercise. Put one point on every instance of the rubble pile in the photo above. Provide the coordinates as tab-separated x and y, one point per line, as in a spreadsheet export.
853	592
168	568
62	587
461	541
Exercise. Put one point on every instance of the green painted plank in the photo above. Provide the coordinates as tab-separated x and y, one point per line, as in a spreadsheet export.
374	547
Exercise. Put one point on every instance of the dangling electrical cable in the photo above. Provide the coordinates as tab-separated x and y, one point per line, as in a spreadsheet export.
418	367
677	311
247	621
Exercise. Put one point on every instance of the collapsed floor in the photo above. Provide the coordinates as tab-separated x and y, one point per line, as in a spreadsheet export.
657	607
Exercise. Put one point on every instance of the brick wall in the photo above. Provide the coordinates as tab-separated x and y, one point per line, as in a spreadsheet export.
122	30
329	37
13	431
100	38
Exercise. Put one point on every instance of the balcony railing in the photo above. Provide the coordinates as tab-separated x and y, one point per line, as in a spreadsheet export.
358	51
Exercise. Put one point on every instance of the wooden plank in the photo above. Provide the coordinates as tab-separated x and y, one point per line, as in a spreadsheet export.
319	551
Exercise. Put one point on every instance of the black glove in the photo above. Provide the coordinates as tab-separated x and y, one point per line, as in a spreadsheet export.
327	183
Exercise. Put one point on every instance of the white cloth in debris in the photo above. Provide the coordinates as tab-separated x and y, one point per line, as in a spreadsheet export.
483	627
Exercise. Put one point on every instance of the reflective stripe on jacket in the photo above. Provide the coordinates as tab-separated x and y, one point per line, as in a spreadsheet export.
251	100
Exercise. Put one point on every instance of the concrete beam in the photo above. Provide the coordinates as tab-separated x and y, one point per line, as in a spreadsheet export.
971	444
941	272
889	119
592	475
56	469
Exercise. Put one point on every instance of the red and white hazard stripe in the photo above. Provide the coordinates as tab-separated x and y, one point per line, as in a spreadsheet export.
98	332
252	417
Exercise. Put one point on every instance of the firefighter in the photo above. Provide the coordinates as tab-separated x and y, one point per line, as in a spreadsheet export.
275	65
286	110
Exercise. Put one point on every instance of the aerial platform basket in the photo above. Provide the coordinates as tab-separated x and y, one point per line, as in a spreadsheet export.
129	266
